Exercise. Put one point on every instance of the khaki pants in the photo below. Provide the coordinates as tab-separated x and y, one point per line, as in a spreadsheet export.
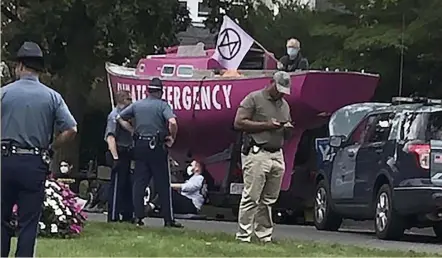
262	173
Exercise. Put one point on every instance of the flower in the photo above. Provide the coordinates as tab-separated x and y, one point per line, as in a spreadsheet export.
54	228
62	214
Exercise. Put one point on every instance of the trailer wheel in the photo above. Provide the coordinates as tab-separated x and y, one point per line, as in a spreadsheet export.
324	217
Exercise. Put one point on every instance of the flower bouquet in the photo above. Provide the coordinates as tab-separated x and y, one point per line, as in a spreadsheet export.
62	214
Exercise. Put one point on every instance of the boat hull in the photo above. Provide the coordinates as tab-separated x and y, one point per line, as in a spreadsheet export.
206	108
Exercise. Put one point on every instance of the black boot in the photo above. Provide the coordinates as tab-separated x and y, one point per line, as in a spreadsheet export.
173	224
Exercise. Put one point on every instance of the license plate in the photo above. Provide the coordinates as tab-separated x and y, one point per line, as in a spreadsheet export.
236	188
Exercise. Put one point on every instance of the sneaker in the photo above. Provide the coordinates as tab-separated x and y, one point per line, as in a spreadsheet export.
139	222
173	224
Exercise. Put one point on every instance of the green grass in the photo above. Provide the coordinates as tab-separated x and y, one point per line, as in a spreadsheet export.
112	240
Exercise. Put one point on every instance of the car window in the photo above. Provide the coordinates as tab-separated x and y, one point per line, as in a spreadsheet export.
379	131
434	128
358	134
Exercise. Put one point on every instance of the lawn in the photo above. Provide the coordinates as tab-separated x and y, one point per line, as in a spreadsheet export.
101	239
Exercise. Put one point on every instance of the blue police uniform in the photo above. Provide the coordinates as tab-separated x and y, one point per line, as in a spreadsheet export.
120	195
150	153
30	110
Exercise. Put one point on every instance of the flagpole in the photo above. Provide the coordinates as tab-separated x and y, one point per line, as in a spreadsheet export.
266	51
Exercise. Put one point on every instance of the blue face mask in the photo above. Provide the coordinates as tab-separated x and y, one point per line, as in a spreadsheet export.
292	52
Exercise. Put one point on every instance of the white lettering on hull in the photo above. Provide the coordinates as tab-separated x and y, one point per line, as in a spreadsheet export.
188	97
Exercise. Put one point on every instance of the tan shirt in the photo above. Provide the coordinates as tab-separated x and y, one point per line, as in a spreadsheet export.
260	107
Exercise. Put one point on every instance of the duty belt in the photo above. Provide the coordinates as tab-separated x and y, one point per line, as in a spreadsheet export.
10	149
152	139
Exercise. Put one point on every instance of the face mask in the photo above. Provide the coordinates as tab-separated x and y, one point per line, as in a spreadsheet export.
190	170
292	51
64	170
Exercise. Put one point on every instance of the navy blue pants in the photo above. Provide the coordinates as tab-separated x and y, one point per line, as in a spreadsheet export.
152	163
23	178
120	190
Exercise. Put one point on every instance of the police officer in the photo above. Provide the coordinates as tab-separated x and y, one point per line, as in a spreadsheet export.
155	130
30	110
119	141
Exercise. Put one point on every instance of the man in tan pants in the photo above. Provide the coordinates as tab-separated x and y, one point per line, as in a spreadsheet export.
264	117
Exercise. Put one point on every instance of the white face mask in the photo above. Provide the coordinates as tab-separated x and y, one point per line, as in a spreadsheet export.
64	169
190	170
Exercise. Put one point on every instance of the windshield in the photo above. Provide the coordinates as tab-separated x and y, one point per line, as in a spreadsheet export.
422	126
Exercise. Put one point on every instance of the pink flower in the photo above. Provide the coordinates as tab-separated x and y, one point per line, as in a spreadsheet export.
75	228
14	208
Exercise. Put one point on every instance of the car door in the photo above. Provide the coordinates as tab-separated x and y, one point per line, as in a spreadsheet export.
344	165
372	156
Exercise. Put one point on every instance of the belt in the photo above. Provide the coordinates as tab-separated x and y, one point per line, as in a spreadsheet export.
17	150
146	137
271	150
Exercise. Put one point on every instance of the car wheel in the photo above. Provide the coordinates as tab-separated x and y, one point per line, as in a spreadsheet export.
387	222
324	217
438	230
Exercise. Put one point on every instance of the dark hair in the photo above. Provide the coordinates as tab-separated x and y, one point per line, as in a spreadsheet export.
121	96
33	63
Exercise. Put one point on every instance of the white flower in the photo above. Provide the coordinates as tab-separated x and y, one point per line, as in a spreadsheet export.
52	203
62	218
54	228
68	212
46	183
45	203
58	212
42	225
49	191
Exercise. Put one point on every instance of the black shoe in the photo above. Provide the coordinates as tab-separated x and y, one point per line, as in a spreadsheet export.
173	224
139	222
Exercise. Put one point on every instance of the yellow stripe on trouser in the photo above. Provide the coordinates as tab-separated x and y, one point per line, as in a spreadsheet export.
262	174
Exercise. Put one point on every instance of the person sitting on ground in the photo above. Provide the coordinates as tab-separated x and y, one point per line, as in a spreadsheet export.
188	197
293	60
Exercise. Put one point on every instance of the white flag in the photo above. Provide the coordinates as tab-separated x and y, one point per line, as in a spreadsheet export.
232	45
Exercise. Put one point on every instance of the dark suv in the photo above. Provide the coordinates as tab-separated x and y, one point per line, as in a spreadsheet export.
383	161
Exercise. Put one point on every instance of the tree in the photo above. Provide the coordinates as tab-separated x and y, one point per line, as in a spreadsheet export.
79	36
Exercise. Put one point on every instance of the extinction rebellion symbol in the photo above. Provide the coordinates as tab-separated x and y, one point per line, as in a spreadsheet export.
230	44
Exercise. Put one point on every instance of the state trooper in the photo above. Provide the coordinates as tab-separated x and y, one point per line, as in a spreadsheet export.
30	111
155	129
119	156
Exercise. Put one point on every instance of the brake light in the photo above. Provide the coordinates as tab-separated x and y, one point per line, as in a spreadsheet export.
422	152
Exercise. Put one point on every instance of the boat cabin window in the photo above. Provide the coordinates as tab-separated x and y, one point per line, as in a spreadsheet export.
168	70
185	71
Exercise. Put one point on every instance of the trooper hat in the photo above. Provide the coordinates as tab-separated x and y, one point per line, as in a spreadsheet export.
29	49
283	82
155	84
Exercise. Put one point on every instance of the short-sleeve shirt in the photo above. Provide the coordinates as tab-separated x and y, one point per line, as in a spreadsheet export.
123	137
30	111
261	107
151	116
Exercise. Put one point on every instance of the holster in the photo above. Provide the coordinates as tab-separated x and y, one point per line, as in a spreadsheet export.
247	144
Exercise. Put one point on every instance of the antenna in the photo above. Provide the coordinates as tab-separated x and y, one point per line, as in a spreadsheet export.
401	68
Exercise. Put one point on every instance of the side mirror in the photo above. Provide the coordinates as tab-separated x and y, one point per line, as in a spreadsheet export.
337	141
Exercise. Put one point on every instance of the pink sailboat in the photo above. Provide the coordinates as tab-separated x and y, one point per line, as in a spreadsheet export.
206	103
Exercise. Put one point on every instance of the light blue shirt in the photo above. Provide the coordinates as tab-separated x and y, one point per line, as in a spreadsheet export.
123	137
194	190
151	116
30	111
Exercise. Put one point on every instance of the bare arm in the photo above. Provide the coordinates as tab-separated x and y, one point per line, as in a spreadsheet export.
173	127
65	136
64	122
244	123
126	125
112	146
